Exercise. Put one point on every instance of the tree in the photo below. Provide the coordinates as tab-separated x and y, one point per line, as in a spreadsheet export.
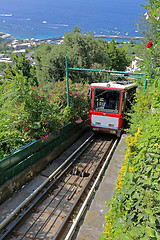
2	66
3	46
118	57
149	26
82	51
20	64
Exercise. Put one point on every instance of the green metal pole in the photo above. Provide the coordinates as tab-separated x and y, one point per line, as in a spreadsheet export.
106	77
105	71
67	84
145	85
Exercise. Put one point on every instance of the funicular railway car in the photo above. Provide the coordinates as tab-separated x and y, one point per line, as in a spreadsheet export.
109	102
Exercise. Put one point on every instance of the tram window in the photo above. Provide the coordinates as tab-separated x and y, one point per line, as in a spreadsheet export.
106	100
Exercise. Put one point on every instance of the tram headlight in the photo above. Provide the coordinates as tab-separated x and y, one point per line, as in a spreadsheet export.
112	132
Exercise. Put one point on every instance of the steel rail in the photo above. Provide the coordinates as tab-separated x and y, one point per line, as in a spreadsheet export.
81	211
59	232
36	192
45	222
90	154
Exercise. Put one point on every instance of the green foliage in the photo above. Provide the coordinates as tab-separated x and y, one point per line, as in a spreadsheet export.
150	28
3	46
20	65
134	211
2	66
82	51
102	236
51	63
117	57
28	113
132	48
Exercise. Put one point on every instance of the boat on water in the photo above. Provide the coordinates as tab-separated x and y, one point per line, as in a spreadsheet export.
5	15
44	22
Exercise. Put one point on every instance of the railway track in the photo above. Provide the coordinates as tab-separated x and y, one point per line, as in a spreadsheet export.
56	207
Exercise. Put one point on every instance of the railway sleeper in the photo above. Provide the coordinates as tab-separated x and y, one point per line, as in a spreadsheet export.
81	173
72	193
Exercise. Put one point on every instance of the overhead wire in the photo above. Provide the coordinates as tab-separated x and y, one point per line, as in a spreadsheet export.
61	69
64	69
37	65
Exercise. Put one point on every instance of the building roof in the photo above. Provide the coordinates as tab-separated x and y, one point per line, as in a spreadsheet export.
19	51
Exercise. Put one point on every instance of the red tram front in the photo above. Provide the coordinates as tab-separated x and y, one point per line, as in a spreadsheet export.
109	102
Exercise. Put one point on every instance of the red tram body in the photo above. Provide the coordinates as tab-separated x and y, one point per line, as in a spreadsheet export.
109	102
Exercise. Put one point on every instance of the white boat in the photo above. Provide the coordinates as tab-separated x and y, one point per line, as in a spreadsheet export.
5	15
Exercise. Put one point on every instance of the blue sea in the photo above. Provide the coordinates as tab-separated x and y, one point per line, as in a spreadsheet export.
41	19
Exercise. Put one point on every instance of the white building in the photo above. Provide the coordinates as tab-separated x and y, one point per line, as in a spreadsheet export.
19	51
21	45
134	65
6	60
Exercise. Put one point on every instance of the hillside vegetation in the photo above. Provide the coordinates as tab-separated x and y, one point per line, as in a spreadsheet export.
134	212
33	103
34	98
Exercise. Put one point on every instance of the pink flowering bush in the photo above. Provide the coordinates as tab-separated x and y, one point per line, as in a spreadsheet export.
77	97
29	113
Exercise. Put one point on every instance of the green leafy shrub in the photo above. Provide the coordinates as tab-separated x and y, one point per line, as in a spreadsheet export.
28	113
134	210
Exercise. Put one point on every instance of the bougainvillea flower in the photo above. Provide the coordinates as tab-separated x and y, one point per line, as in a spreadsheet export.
150	44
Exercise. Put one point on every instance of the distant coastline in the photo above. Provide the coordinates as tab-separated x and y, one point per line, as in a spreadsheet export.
116	36
96	36
6	35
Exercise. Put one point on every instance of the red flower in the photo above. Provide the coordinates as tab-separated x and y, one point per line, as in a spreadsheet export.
26	128
150	44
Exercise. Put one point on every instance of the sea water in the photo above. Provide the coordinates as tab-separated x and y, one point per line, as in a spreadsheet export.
41	19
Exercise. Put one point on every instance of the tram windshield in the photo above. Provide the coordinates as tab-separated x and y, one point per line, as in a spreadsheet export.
106	100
